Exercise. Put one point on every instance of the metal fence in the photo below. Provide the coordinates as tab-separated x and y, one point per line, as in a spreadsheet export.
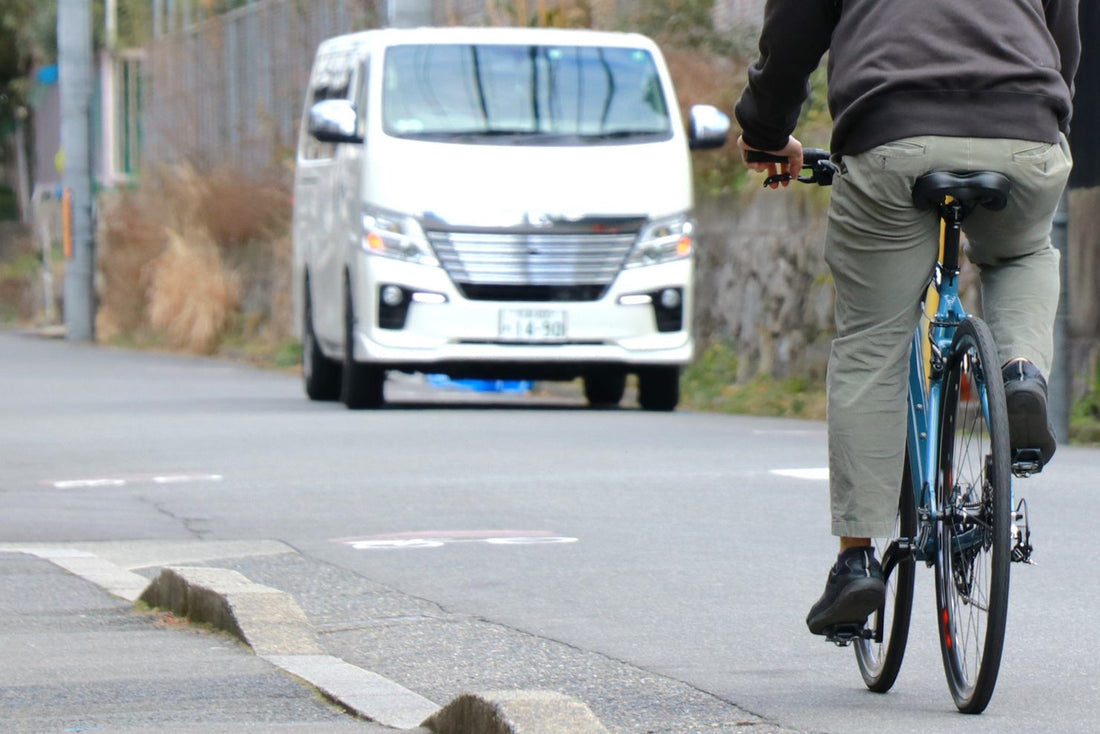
228	90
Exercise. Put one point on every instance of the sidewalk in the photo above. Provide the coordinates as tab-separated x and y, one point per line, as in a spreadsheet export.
77	655
74	658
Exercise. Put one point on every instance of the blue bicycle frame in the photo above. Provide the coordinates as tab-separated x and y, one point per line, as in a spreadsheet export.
925	401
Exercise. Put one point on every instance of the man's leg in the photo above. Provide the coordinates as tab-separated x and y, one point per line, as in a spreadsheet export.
881	252
1020	279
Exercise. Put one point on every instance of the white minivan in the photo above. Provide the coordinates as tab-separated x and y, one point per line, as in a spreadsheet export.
495	203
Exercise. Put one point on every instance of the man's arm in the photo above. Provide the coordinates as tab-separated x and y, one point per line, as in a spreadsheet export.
795	36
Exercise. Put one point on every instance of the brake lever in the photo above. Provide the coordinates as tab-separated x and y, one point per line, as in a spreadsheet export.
821	173
779	178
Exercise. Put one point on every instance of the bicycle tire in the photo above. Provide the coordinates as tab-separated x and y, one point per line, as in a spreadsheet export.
880	662
973	497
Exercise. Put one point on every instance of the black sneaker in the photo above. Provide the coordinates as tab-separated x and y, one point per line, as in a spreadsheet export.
854	590
1029	430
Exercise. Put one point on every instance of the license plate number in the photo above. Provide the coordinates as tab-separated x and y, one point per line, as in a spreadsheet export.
532	324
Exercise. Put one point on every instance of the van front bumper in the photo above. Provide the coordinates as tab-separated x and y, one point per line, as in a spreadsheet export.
434	325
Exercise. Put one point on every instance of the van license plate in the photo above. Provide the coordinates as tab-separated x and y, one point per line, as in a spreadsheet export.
532	324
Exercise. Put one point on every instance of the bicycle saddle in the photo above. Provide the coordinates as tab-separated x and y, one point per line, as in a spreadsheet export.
987	188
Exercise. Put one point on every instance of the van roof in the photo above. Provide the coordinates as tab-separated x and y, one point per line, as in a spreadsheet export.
510	35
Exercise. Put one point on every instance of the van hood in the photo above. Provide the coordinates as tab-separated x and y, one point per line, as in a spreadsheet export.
488	186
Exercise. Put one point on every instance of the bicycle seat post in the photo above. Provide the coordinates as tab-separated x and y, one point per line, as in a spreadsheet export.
952	212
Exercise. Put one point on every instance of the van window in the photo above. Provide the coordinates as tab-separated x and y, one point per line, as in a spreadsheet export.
553	95
331	79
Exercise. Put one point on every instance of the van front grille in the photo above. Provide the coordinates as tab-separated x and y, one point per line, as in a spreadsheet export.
532	266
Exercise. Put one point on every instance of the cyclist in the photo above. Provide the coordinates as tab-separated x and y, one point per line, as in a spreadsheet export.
913	87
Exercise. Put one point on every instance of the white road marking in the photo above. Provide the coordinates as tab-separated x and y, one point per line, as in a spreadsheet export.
92	482
81	483
179	478
815	474
437	539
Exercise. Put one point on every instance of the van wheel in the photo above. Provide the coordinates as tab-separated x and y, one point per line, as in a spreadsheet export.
362	384
659	388
604	388
320	374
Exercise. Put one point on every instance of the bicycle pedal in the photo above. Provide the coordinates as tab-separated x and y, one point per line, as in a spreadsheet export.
843	634
1026	462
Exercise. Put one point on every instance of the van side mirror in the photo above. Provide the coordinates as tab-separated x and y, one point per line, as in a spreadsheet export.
708	127
334	121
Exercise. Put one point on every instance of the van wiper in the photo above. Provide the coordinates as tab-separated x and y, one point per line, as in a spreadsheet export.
504	136
624	134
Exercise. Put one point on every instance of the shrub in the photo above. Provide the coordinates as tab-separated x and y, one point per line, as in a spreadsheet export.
190	257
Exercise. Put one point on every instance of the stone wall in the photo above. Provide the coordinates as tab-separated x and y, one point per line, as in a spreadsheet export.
762	285
1083	268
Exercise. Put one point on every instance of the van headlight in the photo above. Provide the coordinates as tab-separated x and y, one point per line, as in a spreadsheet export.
662	241
396	235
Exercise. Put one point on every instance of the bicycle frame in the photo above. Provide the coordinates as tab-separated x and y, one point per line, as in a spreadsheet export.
925	397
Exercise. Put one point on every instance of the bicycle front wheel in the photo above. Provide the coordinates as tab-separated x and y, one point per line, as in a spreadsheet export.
880	656
973	497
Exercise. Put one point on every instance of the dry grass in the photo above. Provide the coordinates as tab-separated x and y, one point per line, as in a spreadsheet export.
190	259
192	296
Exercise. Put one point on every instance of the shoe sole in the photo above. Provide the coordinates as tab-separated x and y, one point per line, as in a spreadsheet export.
1028	427
858	600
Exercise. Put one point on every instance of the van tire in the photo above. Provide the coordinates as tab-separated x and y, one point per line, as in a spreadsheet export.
659	388
320	374
604	388
362	384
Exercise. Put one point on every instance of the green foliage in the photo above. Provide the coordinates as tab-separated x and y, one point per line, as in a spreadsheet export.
134	23
16	58
9	207
1085	417
704	381
288	354
719	175
710	384
24	267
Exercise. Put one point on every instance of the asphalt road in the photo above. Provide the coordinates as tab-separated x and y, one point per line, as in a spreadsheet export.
656	566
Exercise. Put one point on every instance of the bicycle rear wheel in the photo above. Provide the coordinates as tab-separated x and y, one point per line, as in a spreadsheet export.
880	657
973	495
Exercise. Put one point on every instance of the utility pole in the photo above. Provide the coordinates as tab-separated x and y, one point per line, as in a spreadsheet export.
74	50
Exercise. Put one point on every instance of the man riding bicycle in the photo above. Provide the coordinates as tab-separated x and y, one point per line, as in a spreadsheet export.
915	87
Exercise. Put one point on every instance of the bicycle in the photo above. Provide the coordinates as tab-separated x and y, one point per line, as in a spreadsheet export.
955	510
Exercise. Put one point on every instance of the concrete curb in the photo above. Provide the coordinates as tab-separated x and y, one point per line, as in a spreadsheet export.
276	628
511	712
115	580
266	619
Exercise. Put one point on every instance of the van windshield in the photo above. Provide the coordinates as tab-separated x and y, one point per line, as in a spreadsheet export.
552	95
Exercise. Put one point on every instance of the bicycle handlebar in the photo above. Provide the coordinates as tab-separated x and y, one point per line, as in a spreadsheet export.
815	160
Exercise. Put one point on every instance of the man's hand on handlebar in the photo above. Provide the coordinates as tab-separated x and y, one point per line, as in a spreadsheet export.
779	173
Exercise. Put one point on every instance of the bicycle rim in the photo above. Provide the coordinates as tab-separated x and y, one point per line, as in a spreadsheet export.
974	533
880	661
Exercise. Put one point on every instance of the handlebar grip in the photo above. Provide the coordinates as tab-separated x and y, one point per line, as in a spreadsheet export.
759	156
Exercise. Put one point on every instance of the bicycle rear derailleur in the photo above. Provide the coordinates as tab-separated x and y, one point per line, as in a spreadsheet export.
1021	535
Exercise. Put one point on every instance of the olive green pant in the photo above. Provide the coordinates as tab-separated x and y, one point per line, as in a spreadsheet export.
881	251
